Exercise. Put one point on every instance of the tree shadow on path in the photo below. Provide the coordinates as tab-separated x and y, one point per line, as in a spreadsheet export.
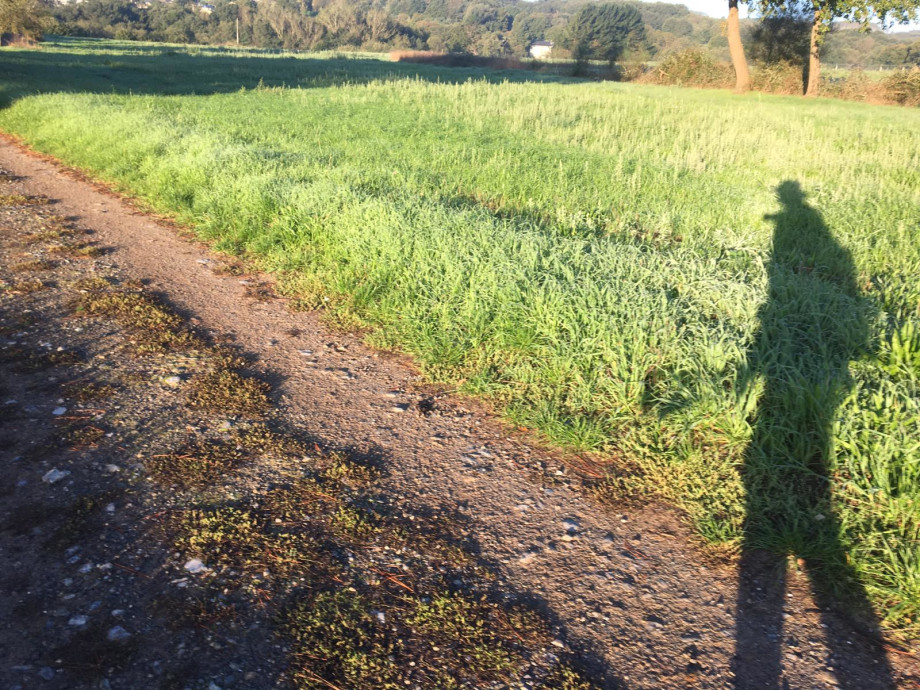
813	324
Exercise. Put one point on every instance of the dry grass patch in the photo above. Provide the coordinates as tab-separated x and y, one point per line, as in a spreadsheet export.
260	291
80	250
84	437
228	392
87	391
22	200
196	463
234	268
56	228
93	284
34	265
26	360
202	461
154	327
25	287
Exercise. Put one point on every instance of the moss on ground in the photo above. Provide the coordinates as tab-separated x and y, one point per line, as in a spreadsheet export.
229	392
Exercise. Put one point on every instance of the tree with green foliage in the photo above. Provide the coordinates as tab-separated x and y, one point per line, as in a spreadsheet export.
22	18
526	29
605	31
777	39
824	12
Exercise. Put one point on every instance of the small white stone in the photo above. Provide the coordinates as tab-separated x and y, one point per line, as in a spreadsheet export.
118	634
195	565
78	621
58	411
55	475
173	381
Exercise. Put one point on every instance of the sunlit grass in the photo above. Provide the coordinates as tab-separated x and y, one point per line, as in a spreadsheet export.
592	257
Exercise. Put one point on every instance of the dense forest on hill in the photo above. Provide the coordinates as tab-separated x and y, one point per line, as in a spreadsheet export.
482	27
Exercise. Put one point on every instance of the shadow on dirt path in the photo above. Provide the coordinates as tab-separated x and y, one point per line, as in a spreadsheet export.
813	324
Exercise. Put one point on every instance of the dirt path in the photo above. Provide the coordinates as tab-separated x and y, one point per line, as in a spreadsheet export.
627	589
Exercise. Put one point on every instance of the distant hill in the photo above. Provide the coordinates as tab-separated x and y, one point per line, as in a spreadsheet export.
482	27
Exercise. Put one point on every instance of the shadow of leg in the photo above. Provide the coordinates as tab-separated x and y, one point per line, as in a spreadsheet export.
759	620
854	638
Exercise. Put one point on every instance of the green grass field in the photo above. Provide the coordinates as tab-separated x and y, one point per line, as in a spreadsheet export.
628	269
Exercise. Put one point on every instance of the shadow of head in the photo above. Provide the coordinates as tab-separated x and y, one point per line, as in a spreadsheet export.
790	193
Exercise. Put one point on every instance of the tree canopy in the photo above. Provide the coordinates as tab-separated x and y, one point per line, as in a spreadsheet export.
605	31
823	12
22	17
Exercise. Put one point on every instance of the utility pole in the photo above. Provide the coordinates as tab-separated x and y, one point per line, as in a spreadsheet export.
237	30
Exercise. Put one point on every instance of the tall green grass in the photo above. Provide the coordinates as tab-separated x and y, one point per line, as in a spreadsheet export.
592	257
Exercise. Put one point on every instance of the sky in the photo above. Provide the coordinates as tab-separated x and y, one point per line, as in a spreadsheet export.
719	8
714	8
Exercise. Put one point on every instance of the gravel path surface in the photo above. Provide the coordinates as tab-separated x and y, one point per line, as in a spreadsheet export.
630	592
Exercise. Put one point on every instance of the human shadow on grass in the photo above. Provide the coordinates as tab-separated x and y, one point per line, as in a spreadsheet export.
93	66
813	324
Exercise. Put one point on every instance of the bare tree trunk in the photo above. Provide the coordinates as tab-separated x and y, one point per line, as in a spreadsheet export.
814	60
736	50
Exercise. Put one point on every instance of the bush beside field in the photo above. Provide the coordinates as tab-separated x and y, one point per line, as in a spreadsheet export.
593	258
697	68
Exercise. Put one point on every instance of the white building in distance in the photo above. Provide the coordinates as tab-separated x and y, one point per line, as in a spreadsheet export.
541	49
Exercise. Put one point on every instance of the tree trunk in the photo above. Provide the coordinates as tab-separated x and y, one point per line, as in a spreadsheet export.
736	50
814	61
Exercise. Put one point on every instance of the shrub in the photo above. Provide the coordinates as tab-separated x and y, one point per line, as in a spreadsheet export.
692	67
780	77
903	87
854	87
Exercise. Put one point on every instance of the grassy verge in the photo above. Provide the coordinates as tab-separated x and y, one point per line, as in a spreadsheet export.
600	260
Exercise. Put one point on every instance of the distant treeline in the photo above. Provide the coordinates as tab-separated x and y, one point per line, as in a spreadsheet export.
498	28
